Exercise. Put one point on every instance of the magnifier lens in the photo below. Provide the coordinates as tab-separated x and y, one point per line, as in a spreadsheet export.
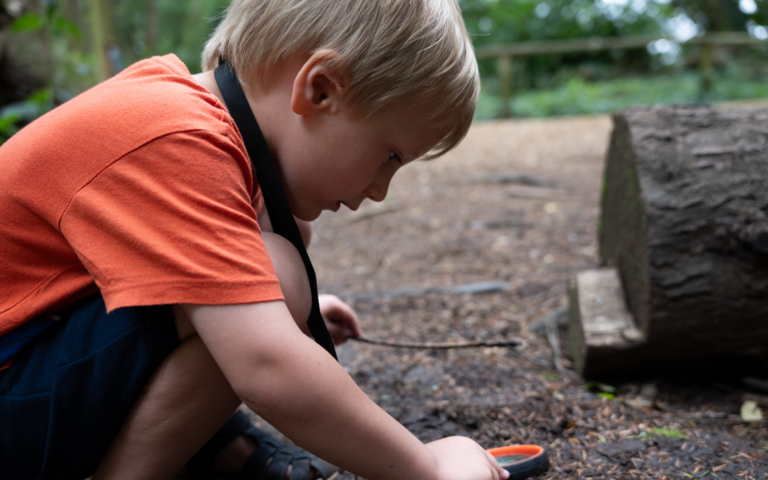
510	459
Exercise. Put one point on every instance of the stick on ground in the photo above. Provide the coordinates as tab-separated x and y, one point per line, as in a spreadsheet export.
442	346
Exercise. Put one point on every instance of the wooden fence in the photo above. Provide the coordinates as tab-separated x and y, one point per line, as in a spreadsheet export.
506	53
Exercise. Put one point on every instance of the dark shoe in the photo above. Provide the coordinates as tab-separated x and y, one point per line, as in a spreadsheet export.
269	461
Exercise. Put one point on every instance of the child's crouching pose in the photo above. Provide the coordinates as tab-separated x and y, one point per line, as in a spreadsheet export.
140	276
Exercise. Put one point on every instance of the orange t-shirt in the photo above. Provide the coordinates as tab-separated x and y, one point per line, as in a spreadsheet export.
141	188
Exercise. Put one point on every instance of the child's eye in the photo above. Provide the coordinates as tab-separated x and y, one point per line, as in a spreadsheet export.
394	156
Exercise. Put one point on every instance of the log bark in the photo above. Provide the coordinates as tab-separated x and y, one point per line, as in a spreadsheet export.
685	222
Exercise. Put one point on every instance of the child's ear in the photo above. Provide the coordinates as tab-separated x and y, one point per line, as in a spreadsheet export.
319	86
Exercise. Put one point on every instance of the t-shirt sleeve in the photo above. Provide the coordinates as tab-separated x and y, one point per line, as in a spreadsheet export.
173	222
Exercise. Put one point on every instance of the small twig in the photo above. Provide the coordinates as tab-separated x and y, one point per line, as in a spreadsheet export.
442	346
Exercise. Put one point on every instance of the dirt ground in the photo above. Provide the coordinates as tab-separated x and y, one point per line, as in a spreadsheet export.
467	218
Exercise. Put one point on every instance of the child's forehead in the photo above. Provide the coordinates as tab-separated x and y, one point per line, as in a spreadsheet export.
416	134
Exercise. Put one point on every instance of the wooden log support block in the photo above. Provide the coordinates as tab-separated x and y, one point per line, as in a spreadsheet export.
685	222
601	330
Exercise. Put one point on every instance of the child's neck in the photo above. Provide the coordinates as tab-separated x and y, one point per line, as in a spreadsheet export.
271	104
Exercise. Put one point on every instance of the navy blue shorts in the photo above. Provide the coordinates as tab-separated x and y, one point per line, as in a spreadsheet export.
66	395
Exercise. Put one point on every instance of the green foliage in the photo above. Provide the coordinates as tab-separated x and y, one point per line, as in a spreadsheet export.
543	85
602	390
663	432
8	121
585	82
718	16
52	19
64	28
156	27
598	387
55	35
27	23
578	97
504	21
11	116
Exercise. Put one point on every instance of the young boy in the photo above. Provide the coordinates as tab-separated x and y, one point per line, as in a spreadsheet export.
150	301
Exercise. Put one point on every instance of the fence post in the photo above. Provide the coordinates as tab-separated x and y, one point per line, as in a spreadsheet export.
504	67
705	70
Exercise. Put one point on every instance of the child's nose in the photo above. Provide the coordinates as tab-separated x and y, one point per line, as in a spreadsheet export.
377	191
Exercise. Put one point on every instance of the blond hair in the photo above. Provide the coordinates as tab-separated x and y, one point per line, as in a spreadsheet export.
415	52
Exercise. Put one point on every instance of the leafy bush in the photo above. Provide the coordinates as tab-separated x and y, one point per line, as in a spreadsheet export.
578	97
15	115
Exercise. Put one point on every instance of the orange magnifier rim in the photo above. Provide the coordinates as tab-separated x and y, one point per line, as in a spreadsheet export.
534	461
530	450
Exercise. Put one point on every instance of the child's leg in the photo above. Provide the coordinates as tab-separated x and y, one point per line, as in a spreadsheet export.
188	398
183	405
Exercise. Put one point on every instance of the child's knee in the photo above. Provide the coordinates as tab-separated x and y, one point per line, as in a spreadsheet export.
292	275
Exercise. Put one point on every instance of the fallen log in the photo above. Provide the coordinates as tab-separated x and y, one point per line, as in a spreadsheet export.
685	223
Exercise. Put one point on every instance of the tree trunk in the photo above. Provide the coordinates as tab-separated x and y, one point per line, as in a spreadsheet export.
685	221
150	35
102	38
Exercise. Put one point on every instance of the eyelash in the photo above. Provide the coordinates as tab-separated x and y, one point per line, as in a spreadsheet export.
396	157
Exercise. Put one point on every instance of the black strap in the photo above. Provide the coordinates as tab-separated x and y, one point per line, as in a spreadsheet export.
265	173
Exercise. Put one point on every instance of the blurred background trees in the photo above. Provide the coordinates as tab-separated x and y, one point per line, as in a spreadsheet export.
666	71
51	50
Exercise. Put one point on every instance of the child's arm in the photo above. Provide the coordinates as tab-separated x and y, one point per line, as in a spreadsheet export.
339	317
305	227
300	389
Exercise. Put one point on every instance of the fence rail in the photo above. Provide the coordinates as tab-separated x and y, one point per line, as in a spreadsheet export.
505	53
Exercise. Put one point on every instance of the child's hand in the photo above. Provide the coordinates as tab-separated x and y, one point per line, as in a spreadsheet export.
340	319
460	458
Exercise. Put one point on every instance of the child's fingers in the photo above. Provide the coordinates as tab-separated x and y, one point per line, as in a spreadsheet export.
499	470
339	332
352	322
340	318
337	312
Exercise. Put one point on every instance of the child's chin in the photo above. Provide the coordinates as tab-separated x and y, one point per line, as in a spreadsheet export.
308	216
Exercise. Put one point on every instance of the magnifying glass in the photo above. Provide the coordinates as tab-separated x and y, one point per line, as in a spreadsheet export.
521	461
